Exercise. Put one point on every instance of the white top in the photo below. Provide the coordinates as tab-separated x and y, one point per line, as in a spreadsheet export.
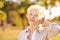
43	34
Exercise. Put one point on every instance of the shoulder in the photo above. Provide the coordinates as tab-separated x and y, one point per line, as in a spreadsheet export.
22	35
24	32
53	30
54	26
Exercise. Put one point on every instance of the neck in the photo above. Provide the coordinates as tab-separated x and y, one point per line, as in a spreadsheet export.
33	28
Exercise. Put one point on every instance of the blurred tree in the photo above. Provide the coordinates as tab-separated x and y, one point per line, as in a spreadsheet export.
15	18
2	15
25	21
58	0
44	3
22	10
1	4
56	37
26	1
7	6
15	5
56	19
3	19
10	6
52	3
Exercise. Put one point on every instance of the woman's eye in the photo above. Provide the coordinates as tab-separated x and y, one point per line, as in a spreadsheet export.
30	14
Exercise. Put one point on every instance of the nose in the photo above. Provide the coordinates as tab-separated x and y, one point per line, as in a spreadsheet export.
32	16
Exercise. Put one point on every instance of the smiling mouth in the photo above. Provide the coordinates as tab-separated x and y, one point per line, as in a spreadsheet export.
32	20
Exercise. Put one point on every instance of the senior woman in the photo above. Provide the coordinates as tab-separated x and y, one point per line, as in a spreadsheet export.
39	28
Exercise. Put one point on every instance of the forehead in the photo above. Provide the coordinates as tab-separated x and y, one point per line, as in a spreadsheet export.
34	11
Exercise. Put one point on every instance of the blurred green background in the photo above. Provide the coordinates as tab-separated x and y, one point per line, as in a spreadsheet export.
13	16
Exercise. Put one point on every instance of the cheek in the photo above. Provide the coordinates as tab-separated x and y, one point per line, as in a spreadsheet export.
28	18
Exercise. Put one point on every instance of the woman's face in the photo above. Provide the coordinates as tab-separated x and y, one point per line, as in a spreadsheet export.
33	16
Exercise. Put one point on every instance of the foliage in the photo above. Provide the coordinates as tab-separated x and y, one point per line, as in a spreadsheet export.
1	4
2	15
15	16
56	19
56	37
21	10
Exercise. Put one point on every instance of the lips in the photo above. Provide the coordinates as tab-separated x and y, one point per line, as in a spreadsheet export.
32	20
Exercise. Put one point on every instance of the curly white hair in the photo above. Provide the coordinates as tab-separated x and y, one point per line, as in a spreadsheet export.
37	7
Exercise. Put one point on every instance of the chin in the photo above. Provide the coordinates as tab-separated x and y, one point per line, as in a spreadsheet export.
31	23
